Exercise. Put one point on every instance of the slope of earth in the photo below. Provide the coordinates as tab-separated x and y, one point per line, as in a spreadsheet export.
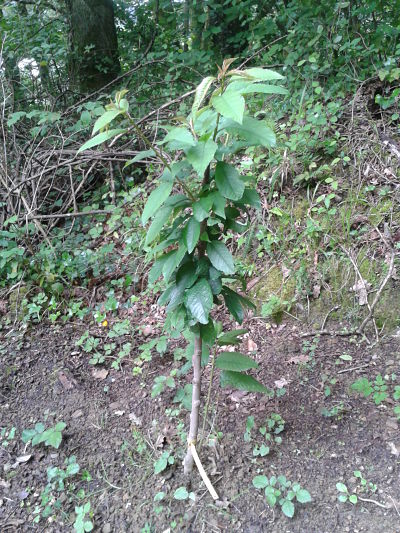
117	432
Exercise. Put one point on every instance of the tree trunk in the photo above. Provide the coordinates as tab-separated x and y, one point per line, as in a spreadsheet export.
186	17
195	412
94	60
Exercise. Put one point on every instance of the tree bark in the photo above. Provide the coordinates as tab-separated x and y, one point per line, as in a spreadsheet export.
94	59
195	412
186	17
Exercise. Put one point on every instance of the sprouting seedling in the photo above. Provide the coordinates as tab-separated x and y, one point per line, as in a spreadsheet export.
201	197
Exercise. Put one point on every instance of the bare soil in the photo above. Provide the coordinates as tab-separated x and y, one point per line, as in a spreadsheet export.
117	431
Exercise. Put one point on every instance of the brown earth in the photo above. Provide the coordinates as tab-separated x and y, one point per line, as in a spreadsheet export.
117	431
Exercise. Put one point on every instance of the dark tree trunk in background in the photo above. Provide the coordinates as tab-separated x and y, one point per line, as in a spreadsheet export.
94	46
186	16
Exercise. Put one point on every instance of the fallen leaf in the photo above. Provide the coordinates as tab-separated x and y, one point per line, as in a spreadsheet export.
251	345
77	413
238	395
361	288
391	424
161	440
67	383
23	458
297	359
147	330
280	383
393	449
285	272
136	420
4	484
100	374
316	291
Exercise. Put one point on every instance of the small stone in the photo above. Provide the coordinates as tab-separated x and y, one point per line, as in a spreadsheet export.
77	413
106	528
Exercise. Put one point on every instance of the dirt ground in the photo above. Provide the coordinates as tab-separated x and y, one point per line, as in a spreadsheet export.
116	431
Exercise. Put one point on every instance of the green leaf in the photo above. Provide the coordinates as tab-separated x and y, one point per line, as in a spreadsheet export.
139	157
172	262
362	386
199	212
288	508
260	482
270	497
353	499
200	94
28	435
53	438
179	139
230	337
237	380
263	74
253	131
263	89
233	303
250	197
181	493
156	199
199	300
156	269
208	333
220	257
105	119
158	223
228	181
186	275
191	234
230	105
341	487
161	463
234	361
201	155
303	496
100	138
15	117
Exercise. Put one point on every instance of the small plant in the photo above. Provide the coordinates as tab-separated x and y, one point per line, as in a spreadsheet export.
124	352
163	461
275	308
201	200
82	524
59	481
345	495
249	426
365	485
182	493
6	436
274	425
353	496
377	388
161	382
280	490
335	411
51	436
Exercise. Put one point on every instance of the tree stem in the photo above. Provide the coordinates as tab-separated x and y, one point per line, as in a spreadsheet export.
195	413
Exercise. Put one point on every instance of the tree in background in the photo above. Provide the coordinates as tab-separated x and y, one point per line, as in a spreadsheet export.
94	59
